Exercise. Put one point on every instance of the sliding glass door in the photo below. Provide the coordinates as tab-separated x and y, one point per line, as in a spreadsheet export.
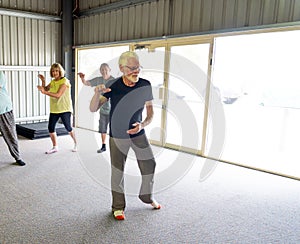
187	85
178	75
153	60
258	77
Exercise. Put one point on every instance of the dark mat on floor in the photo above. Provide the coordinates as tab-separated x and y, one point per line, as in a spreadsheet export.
39	130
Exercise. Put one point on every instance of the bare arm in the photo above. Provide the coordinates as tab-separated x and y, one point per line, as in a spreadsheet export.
149	116
98	100
84	81
59	93
42	78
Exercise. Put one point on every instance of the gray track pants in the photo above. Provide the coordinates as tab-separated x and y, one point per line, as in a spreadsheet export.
8	130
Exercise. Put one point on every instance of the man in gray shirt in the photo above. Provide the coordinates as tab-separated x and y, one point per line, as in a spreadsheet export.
105	109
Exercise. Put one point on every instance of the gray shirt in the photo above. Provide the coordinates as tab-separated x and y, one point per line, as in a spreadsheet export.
105	108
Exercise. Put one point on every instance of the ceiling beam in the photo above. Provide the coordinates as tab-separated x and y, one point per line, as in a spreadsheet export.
27	14
112	6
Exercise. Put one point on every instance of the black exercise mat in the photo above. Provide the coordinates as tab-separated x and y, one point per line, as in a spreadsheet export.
39	130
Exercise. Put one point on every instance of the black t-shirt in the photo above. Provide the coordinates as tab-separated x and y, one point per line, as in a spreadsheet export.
127	105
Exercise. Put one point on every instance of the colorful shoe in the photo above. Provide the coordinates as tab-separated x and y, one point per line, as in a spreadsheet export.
155	205
52	150
119	215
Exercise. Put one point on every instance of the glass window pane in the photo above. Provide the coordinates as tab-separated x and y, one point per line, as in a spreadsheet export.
187	87
258	78
89	61
153	70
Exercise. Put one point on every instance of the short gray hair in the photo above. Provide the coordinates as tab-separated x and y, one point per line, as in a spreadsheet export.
125	56
104	65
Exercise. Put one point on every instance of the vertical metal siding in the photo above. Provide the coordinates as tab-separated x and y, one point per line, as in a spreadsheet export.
89	4
240	11
229	13
255	13
217	17
269	11
29	47
195	16
146	19
110	30
21	92
34	41
27	101
13	40
163	14
283	11
296	11
153	15
206	16
118	27
39	6
173	17
41	42
135	22
128	25
177	10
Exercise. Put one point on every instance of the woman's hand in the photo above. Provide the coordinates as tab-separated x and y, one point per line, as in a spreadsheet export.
42	78
41	89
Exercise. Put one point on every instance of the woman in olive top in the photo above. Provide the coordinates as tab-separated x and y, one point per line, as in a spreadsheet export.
59	91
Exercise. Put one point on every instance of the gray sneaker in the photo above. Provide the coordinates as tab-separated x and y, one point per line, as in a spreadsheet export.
101	150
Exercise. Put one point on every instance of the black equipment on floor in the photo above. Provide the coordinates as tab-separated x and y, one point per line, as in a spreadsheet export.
39	130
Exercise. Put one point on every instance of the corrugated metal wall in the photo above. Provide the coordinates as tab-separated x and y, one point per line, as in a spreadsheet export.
29	45
174	17
52	7
140	21
88	4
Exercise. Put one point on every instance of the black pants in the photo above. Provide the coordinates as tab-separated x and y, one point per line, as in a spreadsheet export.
65	118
